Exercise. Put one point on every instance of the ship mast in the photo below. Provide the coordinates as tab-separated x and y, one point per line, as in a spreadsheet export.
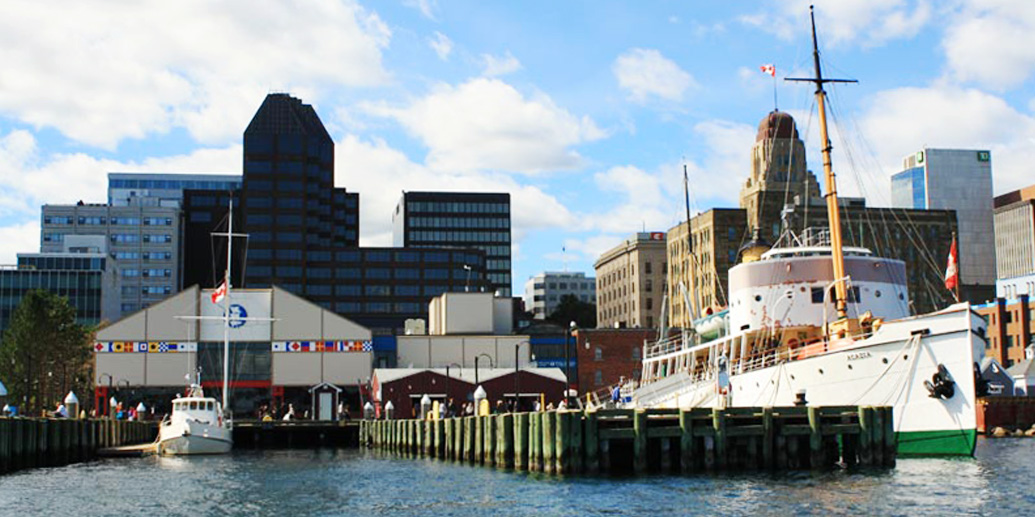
693	304
226	305
833	210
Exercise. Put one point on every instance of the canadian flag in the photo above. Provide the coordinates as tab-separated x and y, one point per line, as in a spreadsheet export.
219	293
769	69
952	269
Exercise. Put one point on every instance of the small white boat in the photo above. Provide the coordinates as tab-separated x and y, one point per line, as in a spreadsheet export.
196	426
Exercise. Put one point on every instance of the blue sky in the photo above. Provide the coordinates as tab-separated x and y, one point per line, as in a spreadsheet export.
584	111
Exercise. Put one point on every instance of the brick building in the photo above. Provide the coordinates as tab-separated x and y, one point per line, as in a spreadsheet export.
1009	328
405	387
607	355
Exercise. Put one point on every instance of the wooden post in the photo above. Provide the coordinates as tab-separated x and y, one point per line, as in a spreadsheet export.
640	441
549	436
890	441
520	441
479	439
768	441
5	442
458	439
591	444
686	441
575	432
816	453
45	452
505	445
719	425
469	439
877	440
562	443
489	430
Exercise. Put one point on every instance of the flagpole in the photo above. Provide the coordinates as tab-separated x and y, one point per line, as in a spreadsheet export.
226	306
776	106
956	291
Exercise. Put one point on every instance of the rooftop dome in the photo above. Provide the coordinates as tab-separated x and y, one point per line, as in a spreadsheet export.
777	124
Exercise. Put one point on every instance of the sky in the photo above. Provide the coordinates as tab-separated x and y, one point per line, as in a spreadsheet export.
586	112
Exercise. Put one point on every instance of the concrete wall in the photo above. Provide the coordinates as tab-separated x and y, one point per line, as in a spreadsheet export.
169	369
124	366
312	368
440	351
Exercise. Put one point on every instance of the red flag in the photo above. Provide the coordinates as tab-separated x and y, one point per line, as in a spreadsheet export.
952	270
769	69
219	293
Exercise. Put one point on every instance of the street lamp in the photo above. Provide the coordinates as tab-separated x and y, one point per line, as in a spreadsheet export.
491	365
108	400
517	370
467	283
448	378
567	359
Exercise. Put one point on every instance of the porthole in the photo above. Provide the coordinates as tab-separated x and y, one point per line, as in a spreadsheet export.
758	297
792	377
901	296
905	357
849	367
877	293
821	371
885	360
802	288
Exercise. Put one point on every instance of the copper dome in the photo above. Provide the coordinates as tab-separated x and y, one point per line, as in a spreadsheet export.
777	124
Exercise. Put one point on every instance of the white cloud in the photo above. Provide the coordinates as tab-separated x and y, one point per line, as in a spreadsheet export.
380	173
442	45
502	65
992	43
869	22
146	67
486	124
426	7
901	121
29	179
19	238
645	73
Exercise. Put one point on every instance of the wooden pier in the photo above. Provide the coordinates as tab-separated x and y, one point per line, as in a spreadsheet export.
293	434
643	441
52	442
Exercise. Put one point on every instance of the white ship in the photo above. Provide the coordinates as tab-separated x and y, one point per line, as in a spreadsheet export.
196	426
812	322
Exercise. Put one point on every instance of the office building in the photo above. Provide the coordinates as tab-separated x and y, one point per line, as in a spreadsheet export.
1009	332
88	280
543	292
631	280
1015	242
143	240
459	220
303	233
960	180
152	189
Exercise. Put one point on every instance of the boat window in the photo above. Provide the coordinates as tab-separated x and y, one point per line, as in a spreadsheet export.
194	404
209	406
176	406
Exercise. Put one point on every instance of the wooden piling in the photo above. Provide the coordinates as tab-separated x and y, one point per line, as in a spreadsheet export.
489	429
591	445
890	440
535	441
562	442
549	437
877	437
479	440
816	456
640	441
520	441
505	445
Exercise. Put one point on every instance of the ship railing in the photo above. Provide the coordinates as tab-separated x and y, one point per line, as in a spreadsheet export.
666	346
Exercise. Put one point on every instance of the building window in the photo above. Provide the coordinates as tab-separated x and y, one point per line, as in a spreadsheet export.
598	354
598	378
648	286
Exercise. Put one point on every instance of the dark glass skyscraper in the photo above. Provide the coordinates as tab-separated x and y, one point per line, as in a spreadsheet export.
303	234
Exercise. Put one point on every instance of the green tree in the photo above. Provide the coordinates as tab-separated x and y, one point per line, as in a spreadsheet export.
572	309
44	352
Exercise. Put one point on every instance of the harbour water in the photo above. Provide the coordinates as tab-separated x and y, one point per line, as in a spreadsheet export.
999	481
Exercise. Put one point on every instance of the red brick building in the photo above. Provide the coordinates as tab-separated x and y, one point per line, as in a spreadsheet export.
1009	328
405	387
607	355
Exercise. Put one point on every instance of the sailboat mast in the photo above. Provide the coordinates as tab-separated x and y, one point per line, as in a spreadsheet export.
691	269
833	210
226	304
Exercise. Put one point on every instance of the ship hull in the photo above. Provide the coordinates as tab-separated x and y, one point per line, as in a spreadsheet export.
887	369
194	438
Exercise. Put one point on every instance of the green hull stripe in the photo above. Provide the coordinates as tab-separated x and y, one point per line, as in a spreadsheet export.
958	442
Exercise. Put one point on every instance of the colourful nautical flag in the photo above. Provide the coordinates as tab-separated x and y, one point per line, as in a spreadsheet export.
279	346
141	346
368	346
952	271
118	346
769	69
167	347
219	293
102	347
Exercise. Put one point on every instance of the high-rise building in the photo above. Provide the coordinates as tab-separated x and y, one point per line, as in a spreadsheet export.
88	280
151	189
143	240
459	220
960	180
303	233
1015	243
631	280
543	292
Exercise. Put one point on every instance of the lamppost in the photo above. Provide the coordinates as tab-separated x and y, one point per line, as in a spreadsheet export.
517	370
567	359
491	365
107	401
448	379
467	283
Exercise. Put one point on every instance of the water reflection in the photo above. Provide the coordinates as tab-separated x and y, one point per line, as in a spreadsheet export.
338	482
